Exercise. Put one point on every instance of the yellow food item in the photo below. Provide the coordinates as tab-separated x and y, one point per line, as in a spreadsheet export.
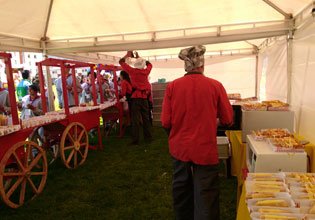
312	209
275	202
310	191
262	210
275	217
308	196
263	183
260	195
269	186
273	179
266	190
261	174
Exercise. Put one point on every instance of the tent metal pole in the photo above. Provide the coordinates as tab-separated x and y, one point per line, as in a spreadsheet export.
289	66
48	81
286	15
48	75
256	77
48	18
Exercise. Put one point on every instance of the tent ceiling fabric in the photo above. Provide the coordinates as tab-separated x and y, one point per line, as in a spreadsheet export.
22	23
130	16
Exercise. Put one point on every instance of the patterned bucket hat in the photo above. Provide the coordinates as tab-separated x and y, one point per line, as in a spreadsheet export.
193	57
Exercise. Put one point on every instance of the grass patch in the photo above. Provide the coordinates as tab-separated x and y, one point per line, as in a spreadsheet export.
119	182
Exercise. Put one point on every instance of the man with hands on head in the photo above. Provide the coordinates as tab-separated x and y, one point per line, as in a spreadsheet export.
141	88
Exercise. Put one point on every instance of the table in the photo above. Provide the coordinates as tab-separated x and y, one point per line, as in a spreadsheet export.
238	158
261	158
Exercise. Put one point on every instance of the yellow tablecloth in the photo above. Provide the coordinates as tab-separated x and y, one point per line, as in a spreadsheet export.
242	210
238	158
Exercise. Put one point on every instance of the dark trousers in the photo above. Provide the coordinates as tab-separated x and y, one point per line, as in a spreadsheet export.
196	190
140	111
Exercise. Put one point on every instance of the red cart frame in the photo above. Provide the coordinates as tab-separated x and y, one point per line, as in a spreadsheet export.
113	113
23	164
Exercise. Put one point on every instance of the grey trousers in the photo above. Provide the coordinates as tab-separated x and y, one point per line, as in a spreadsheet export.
140	110
196	190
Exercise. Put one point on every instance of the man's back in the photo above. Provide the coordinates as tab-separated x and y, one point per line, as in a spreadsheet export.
195	102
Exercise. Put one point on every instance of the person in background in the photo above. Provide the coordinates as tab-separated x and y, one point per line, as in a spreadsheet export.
125	95
139	98
31	103
70	91
190	110
22	87
109	93
86	95
126	88
5	107
36	81
58	85
150	100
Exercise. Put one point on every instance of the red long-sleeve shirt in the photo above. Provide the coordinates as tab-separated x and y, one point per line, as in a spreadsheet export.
190	109
139	79
125	88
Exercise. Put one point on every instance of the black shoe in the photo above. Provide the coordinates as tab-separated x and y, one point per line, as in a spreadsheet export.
133	143
148	141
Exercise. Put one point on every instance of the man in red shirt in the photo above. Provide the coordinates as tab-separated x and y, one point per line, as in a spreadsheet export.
190	110
139	99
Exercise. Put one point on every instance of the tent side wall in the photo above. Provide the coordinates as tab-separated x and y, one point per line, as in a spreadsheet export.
272	73
303	78
237	74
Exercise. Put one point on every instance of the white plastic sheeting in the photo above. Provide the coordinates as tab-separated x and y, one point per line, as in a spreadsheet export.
303	80
237	75
272	80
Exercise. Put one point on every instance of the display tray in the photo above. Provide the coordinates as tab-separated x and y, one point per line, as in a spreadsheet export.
254	107
263	134
287	216
282	108
285	144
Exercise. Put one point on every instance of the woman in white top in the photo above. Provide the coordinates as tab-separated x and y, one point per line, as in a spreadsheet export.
4	101
31	103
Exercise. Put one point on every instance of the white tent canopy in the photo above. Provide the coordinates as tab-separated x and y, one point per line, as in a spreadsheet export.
72	26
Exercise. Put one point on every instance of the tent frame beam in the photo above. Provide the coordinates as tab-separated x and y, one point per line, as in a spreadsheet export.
217	29
214	34
47	20
286	15
304	17
164	44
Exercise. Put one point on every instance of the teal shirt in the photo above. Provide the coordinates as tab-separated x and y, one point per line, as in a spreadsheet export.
22	88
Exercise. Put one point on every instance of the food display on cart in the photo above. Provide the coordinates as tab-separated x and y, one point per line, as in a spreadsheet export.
30	144
281	195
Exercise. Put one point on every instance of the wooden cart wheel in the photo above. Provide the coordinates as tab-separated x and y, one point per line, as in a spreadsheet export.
74	145
22	174
51	148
